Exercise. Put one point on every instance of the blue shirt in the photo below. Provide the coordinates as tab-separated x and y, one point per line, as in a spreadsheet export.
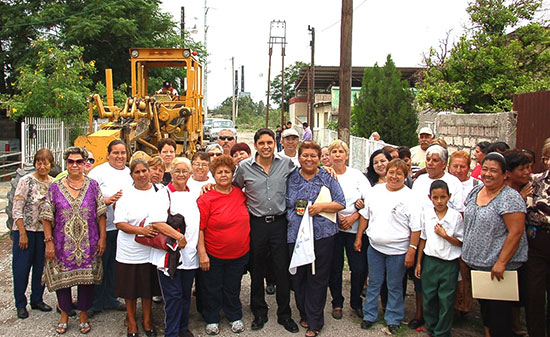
300	188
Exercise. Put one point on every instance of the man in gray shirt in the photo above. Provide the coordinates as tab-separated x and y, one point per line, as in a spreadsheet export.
263	178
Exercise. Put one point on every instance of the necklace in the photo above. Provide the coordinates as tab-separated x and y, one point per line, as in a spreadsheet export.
71	186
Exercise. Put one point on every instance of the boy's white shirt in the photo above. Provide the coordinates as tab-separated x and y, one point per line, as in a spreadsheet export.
436	246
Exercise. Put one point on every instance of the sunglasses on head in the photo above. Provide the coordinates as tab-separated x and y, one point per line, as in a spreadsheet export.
90	161
78	162
216	154
227	137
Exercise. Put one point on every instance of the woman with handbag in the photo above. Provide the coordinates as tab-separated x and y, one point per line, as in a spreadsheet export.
135	276
176	276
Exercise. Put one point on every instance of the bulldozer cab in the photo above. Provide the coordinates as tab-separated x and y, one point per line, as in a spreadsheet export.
148	116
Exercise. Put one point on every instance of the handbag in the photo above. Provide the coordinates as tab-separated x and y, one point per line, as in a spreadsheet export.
159	241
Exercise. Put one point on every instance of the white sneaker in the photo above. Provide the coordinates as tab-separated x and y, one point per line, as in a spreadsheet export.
237	326
212	329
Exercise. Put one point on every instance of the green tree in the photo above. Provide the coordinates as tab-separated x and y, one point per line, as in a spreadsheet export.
487	66
55	86
384	104
291	76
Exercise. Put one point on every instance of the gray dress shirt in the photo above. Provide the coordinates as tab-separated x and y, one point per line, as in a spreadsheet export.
265	192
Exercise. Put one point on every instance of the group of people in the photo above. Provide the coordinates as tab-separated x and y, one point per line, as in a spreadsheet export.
225	212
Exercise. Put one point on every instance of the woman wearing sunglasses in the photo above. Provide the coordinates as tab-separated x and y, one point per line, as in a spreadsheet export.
89	164
73	216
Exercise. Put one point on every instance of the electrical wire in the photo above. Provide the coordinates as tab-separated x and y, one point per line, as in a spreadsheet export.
335	23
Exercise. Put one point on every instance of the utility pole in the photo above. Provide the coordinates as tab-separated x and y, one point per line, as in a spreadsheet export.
311	115
182	26
236	93
233	114
280	27
204	86
344	106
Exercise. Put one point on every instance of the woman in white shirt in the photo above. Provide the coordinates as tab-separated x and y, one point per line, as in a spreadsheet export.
392	221
175	199
135	277
355	186
201	175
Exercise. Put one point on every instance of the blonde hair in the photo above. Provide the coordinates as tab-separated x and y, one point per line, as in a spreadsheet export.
460	154
156	161
181	160
338	143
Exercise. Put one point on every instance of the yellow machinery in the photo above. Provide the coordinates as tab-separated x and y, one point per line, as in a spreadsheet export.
146	117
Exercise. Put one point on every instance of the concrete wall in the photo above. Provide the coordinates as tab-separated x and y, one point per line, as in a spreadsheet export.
464	131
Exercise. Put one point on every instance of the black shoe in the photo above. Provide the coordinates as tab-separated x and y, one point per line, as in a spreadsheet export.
366	324
258	322
358	312
289	324
186	333
91	313
150	333
41	306
416	323
22	313
270	289
393	328
131	334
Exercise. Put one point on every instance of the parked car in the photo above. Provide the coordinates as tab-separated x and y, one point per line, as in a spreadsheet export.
206	128
219	124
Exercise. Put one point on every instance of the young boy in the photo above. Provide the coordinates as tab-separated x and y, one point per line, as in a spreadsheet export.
440	242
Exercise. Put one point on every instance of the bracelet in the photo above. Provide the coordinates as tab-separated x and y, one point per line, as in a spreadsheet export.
413	246
48	239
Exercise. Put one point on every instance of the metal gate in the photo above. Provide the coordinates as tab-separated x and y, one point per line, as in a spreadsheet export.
533	118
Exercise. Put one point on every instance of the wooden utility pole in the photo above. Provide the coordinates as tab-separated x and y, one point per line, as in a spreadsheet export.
233	106
268	85
283	87
311	115
344	105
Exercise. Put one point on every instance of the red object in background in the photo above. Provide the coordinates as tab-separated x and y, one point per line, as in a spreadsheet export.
7	149
194	53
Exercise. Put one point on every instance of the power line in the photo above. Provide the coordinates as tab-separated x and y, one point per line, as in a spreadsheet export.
337	22
60	18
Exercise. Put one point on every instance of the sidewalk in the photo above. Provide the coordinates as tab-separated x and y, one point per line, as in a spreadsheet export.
4	189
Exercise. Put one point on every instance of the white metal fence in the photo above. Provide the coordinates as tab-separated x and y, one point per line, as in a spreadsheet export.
360	148
50	133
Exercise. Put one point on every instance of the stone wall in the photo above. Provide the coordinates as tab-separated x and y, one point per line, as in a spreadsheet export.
464	131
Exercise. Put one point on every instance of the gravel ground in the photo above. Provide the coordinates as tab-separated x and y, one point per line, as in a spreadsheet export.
110	323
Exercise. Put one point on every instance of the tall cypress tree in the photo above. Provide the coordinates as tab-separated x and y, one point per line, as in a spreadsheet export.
384	104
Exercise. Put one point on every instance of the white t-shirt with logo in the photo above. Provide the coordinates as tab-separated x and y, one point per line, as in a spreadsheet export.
355	186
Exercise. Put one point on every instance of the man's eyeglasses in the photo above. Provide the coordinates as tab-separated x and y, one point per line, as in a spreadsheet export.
90	161
230	138
214	154
71	162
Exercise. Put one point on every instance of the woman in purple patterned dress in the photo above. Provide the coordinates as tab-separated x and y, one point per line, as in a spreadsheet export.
74	231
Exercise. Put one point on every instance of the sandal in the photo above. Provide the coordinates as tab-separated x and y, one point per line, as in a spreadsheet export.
85	328
304	324
312	333
61	328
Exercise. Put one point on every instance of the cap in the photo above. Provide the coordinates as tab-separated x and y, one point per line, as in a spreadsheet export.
166	84
290	132
240	147
426	130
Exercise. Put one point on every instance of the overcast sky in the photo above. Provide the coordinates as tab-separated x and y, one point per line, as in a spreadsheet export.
240	29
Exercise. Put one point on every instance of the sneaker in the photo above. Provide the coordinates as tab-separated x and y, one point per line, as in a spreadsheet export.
237	326
212	329
366	324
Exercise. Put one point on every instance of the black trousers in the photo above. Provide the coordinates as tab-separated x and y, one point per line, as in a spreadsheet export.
270	237
538	285
310	291
497	316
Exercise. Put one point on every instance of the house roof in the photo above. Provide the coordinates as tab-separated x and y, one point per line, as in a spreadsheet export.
328	76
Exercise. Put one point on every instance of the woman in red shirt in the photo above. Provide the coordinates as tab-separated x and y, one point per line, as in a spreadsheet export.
224	242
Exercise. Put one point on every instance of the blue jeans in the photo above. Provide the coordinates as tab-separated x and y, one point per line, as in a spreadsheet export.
104	294
22	261
177	300
221	288
393	267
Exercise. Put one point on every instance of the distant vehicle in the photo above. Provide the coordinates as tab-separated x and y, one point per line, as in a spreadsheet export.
219	124
206	128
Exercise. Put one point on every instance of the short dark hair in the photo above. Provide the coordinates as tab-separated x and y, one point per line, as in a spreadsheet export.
136	162
44	154
166	141
77	150
309	144
498	157
404	152
483	146
223	160
439	184
305	124
531	154
500	147
114	143
289	122
200	155
515	158
240	147
263	131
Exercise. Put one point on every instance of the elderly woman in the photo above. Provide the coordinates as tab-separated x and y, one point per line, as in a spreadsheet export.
538	237
325	157
201	176
176	199
240	152
391	217
494	236
87	168
28	234
167	152
156	171
135	277
459	166
214	150
378	162
224	242
303	188
355	187
73	216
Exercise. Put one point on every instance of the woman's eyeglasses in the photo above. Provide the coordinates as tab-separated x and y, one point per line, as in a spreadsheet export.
214	154
90	161
71	162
